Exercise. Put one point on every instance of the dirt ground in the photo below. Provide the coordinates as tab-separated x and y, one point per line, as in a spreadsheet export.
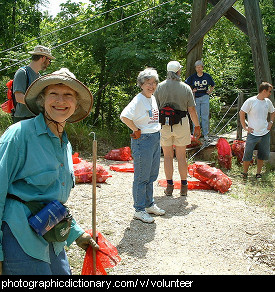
205	233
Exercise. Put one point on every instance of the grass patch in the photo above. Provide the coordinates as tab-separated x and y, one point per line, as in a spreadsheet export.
258	192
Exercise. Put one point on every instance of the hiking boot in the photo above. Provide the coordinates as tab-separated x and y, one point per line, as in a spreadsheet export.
183	190
144	217
258	175
244	175
155	210
169	190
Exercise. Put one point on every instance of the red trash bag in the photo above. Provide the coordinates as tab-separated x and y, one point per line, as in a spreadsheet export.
106	257
198	185
238	149
224	153
192	185
83	172
7	106
123	154
124	167
210	175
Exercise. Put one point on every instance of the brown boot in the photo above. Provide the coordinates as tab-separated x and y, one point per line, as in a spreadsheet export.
183	190
169	190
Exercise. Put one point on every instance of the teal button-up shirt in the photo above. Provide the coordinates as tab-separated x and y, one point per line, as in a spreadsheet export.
34	166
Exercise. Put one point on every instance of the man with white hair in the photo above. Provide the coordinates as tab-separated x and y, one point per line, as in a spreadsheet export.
177	95
202	85
24	76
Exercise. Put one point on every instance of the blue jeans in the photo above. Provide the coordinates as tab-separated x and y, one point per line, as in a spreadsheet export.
146	154
17	262
202	107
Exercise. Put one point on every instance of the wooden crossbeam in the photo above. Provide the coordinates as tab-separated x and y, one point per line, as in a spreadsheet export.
209	21
235	17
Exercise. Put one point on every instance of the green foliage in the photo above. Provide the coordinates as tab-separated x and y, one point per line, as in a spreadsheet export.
81	136
267	10
5	121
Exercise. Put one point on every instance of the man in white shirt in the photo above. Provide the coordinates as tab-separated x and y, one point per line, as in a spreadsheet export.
257	109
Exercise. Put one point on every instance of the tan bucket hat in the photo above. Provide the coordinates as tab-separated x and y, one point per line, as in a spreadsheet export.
43	51
64	76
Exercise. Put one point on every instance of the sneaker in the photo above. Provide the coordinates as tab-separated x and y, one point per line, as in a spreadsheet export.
169	190
144	217
155	210
183	190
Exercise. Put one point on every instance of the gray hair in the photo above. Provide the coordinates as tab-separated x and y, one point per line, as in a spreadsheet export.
199	63
40	101
147	74
172	75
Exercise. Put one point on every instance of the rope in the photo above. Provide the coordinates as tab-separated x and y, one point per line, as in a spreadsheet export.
226	112
113	23
96	30
206	144
54	31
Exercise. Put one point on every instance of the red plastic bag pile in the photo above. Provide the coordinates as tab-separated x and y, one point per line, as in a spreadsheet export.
224	153
238	149
123	154
212	176
83	171
192	184
106	257
194	142
124	167
7	106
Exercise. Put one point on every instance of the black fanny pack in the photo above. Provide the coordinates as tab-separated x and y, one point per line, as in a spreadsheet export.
57	233
169	116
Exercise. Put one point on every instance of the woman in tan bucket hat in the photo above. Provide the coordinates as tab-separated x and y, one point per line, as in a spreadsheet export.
36	166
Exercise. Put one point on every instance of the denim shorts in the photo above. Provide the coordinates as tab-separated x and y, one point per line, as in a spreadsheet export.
263	147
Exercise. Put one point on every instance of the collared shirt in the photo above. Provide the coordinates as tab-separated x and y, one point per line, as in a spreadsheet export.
34	166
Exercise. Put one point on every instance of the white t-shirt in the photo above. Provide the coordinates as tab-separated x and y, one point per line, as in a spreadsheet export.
257	111
144	113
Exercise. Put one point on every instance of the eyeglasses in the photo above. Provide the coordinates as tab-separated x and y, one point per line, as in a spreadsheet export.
150	83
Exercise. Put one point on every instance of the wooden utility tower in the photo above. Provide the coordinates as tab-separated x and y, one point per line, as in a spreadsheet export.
250	24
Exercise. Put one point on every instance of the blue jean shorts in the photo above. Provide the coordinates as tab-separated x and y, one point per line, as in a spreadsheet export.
263	147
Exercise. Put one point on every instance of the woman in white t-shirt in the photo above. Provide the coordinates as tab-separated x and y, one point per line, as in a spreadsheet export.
141	115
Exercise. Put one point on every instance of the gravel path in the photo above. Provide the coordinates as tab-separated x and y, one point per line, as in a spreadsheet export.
205	233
